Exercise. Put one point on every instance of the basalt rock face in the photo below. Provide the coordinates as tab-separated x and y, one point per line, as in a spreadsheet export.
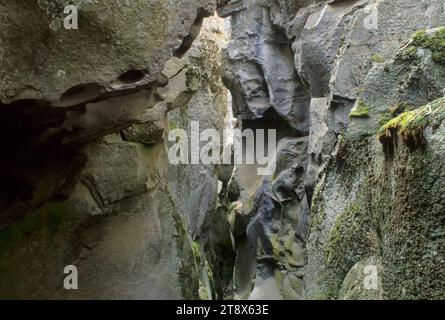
278	226
351	207
62	89
379	196
135	226
366	187
260	71
107	45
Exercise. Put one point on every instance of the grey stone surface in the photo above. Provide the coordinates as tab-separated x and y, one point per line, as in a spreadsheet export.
277	223
131	221
322	140
63	89
87	180
61	59
345	53
363	281
320	41
259	70
376	200
401	83
379	29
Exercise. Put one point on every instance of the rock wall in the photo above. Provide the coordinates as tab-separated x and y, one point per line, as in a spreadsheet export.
350	67
62	89
353	208
133	225
379	198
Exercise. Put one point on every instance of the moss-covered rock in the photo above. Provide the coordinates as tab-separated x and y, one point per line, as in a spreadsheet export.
363	281
434	40
361	110
389	208
410	126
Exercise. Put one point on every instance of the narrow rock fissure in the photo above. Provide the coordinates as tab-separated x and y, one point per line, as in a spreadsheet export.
347	202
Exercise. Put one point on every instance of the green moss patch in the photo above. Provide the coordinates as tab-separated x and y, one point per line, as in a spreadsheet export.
394	111
348	243
410	125
46	218
361	110
377	59
409	54
385	118
435	42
